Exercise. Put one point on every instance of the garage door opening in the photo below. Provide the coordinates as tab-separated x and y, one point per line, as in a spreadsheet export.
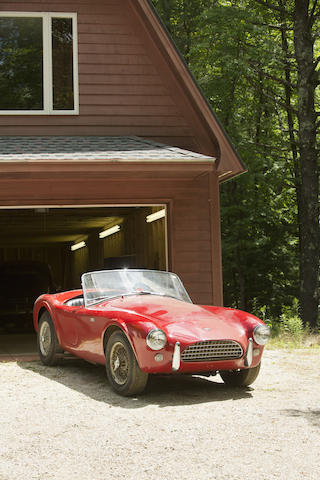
47	250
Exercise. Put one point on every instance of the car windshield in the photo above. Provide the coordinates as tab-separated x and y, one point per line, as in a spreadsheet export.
106	284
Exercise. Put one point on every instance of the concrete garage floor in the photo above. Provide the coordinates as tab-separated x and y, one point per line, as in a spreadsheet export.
15	347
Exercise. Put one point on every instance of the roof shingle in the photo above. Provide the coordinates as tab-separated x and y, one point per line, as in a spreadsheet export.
86	148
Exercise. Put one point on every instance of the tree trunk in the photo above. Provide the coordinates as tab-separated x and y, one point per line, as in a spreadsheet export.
309	205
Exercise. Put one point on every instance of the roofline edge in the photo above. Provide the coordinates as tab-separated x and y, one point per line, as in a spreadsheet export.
205	103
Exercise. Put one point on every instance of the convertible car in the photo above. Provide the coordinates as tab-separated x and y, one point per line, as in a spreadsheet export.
142	322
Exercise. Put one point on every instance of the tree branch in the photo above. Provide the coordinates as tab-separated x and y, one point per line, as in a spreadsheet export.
279	80
276	98
280	58
273	27
316	62
266	4
313	15
269	147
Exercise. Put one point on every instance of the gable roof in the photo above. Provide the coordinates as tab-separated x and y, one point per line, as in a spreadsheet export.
229	163
132	81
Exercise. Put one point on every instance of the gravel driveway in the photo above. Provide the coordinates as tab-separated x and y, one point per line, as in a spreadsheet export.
65	422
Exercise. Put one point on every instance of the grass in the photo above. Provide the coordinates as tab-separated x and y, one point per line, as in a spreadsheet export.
290	333
288	341
288	330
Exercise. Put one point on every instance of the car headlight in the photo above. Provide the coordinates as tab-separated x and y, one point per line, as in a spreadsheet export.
156	339
261	334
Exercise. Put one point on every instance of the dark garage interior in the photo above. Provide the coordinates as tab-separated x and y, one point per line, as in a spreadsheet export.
47	249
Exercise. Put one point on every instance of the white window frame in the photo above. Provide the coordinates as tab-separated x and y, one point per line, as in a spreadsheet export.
47	63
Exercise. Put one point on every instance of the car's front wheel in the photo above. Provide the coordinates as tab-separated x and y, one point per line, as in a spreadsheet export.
48	346
123	371
240	378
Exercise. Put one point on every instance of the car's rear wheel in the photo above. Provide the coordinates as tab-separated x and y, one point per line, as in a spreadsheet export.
123	371
48	346
240	378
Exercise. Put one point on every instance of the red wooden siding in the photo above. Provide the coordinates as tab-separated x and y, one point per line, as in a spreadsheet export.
192	202
126	88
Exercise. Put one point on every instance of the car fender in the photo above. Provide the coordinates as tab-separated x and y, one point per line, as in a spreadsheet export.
135	332
41	304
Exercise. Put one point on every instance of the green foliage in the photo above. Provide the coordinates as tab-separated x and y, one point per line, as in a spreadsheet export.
289	332
290	321
292	326
242	54
21	63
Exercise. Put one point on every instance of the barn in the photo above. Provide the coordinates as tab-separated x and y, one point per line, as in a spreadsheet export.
110	156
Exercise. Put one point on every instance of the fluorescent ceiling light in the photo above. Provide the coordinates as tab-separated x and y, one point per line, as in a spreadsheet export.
109	231
76	246
156	216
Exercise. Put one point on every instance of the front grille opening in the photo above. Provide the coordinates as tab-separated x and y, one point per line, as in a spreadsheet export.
212	350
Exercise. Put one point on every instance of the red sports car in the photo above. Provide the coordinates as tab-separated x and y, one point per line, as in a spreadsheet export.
142	322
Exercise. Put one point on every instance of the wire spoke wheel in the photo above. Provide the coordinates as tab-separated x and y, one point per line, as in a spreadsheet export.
48	346
119	363
45	339
124	374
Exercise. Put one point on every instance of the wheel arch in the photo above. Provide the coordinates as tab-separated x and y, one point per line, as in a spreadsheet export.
121	327
40	308
113	328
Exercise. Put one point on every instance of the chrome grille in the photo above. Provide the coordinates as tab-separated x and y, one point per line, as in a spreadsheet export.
212	350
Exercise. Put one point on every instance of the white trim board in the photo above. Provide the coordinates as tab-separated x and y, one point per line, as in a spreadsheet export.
47	63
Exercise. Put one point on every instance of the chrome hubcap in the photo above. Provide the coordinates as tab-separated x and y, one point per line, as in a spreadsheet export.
45	338
119	363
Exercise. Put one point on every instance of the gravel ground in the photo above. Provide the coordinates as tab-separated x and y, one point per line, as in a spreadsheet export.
65	422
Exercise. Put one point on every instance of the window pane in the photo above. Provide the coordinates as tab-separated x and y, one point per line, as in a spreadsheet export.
62	64
21	70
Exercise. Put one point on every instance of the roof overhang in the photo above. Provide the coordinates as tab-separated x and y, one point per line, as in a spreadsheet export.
118	156
229	164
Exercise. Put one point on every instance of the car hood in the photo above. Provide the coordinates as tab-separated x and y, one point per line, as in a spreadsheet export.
185	321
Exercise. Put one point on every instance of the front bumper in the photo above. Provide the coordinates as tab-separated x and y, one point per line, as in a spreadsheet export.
176	357
172	361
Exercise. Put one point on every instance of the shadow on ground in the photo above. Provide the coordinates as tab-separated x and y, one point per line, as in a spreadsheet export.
171	390
313	416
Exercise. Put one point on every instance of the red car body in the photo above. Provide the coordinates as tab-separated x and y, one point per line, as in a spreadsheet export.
84	331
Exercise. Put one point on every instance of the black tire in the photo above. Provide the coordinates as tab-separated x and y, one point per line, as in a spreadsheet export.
241	378
123	371
48	346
